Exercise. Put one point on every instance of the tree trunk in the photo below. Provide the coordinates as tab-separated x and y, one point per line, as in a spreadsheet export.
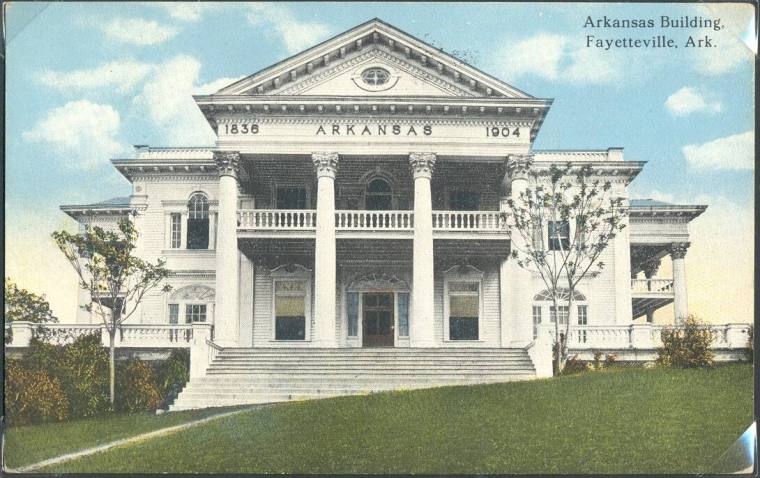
112	365
557	341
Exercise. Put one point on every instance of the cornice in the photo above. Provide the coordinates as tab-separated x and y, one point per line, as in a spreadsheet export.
689	212
193	274
373	120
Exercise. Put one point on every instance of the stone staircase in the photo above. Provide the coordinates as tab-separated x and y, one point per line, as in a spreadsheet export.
239	376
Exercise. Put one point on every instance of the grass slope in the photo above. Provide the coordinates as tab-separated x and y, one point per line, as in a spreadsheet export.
635	420
24	445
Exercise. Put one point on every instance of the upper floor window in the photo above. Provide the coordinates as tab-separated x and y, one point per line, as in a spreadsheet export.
559	235
379	195
197	222
176	231
375	76
464	201
291	198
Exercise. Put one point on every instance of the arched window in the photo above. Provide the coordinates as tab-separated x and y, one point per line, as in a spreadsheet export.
543	301
379	195
197	222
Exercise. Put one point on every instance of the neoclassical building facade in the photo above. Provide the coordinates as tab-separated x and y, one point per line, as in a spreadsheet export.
354	199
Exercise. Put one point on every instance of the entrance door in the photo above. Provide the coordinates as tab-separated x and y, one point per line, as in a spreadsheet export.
377	322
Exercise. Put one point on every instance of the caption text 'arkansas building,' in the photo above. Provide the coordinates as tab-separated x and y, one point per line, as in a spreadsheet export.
353	200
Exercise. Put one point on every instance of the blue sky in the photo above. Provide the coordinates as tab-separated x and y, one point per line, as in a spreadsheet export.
87	81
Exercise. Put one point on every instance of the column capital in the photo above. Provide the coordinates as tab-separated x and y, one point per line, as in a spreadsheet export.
518	166
422	164
227	163
325	164
678	250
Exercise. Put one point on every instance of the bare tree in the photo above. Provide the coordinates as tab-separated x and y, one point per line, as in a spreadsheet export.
116	279
579	217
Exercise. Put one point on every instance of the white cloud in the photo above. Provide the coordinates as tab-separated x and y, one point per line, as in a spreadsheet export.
183	11
689	100
731	152
123	75
552	56
83	130
137	31
296	34
214	86
167	100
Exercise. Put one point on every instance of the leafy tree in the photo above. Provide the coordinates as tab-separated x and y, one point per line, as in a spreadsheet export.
22	305
580	217
117	280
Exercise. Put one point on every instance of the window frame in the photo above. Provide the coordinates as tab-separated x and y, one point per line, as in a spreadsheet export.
564	242
471	276
175	228
300	275
537	313
192	212
169	313
196	304
391	193
280	186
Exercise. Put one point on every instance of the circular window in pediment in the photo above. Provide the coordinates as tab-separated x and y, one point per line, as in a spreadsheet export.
375	76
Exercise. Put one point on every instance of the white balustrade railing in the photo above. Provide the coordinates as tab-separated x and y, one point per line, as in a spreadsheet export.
651	285
277	219
468	221
641	336
374	220
128	335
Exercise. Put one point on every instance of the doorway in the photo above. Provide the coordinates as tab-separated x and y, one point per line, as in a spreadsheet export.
377	319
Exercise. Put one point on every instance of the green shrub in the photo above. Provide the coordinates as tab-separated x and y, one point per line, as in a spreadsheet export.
82	369
33	396
687	346
610	360
172	374
136	389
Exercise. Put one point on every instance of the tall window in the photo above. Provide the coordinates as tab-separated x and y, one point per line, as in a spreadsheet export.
536	319
290	310
353	313
378	196
176	231
564	314
464	307
464	201
559	235
195	313
197	222
583	320
291	198
403	314
174	313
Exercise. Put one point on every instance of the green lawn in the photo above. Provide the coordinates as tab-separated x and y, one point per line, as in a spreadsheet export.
25	445
625	420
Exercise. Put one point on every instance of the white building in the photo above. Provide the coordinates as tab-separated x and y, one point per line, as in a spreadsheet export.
352	201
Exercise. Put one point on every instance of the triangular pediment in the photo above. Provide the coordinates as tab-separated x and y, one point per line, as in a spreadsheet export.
343	66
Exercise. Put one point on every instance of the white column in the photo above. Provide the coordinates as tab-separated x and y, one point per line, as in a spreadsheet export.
421	327
677	254
183	230
650	269
518	281
212	230
227	262
323	334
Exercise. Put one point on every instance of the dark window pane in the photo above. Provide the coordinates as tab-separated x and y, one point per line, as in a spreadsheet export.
197	233
559	235
463	328
290	328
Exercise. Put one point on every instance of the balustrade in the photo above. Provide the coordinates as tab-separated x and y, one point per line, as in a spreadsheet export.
295	219
468	221
652	285
374	220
